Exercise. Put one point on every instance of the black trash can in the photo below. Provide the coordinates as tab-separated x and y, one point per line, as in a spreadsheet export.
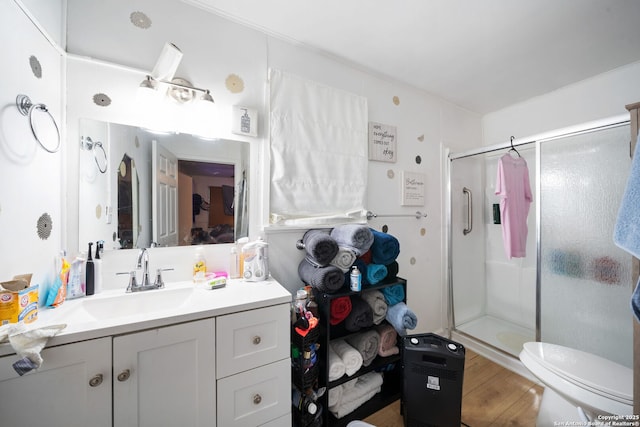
433	370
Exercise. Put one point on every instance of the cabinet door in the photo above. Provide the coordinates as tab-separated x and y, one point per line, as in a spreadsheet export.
253	397
252	338
71	388
165	377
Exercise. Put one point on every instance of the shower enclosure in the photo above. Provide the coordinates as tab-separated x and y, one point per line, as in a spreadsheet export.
573	287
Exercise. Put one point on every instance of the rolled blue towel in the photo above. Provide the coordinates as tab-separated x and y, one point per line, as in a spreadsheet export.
326	279
635	302
376	273
401	318
357	237
393	294
385	248
320	246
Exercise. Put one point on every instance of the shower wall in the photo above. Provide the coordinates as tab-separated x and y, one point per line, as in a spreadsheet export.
511	283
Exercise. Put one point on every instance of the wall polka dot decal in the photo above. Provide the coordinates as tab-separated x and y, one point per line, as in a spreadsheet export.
36	68
101	99
396	100
44	226
418	160
140	20
98	211
390	173
421	138
234	83
385	228
412	261
423	231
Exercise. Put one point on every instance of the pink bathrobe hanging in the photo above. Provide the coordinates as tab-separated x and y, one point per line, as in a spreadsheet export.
512	185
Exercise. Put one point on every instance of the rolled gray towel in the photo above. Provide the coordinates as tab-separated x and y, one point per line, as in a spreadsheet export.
367	343
320	246
361	315
326	279
357	237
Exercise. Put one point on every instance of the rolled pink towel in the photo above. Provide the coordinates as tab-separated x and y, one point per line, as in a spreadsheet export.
388	340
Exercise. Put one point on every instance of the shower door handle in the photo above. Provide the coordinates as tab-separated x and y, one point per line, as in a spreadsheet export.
467	230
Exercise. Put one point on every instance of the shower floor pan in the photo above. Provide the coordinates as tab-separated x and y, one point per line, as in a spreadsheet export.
498	333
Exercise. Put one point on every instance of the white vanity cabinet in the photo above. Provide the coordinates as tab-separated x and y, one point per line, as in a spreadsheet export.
71	389
220	360
165	376
254	368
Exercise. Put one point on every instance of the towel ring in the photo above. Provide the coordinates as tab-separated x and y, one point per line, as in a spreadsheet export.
86	143
26	108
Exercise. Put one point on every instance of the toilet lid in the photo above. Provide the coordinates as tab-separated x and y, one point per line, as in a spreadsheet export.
587	370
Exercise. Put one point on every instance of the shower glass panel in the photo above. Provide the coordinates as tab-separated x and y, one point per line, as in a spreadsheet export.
585	279
494	298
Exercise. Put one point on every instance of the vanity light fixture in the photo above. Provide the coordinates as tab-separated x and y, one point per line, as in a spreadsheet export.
162	79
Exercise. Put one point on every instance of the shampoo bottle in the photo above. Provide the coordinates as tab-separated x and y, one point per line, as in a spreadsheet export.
90	273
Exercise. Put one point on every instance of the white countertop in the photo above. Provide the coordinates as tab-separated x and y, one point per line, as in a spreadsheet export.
114	312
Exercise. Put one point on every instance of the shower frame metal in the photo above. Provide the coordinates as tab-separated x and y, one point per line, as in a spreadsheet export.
538	140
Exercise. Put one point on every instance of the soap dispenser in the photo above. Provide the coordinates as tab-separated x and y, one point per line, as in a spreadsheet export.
90	273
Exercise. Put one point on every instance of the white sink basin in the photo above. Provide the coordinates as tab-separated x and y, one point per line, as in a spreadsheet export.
136	303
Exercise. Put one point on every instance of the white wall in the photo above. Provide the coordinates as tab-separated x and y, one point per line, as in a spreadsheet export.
31	180
597	98
426	127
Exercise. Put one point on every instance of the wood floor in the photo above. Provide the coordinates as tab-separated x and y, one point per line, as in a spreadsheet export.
491	396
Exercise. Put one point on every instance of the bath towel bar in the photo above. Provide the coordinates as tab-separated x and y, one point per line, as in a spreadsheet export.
417	215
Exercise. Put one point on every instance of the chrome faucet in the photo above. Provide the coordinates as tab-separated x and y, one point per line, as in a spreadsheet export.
145	284
143	262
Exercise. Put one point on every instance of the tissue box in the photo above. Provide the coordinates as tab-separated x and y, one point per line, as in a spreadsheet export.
18	301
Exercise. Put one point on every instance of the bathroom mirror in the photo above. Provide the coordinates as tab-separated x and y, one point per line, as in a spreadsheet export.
164	189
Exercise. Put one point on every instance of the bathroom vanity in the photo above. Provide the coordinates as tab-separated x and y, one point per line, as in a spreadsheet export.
179	356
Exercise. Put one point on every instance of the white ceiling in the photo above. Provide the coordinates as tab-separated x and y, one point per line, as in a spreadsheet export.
482	55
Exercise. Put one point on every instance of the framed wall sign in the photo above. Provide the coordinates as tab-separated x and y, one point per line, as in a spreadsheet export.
382	142
413	188
244	121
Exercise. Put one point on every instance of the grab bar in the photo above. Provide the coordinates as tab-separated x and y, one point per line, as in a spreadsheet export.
467	230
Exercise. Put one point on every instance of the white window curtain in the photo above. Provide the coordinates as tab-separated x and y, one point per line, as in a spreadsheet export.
318	152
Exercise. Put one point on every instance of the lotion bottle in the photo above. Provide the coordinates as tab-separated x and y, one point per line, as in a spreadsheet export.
90	273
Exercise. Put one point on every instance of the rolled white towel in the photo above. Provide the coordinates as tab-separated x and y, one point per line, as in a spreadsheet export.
337	367
335	396
365	387
351	357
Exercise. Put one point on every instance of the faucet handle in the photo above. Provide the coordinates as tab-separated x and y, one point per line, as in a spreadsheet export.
159	282
133	283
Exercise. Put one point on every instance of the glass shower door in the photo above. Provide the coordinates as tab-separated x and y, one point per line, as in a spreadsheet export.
585	280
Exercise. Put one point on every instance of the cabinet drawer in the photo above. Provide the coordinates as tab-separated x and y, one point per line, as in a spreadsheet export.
252	338
251	397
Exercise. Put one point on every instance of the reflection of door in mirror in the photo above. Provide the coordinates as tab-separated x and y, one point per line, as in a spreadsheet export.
125	203
164	193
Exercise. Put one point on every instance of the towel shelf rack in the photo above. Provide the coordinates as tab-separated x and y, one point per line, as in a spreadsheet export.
417	215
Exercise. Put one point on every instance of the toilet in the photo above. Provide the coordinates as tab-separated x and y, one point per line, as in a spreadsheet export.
579	386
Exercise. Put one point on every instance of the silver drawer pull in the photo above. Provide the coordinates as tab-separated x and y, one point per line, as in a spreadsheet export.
96	380
124	375
257	399
256	340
